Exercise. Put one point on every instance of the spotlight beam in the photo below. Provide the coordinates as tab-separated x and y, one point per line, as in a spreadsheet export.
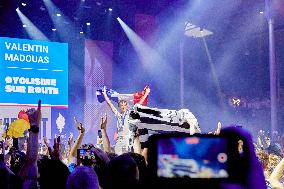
213	71
31	29
155	66
65	31
147	55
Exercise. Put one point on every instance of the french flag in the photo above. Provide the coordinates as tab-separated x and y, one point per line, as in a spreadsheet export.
115	96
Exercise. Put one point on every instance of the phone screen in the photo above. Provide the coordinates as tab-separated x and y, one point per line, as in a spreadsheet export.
192	157
100	134
86	154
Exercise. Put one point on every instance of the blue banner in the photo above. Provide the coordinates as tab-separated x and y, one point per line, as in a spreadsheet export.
32	70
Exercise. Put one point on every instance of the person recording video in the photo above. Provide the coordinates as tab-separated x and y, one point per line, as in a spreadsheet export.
205	161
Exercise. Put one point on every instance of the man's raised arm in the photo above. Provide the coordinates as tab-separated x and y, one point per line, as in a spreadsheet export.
147	92
108	101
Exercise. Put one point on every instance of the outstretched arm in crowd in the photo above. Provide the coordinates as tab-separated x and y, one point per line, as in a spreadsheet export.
29	170
276	175
55	153
145	154
47	143
106	143
57	148
137	145
219	127
73	151
70	142
218	130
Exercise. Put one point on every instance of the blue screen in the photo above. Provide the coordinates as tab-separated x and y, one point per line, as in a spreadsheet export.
192	157
32	70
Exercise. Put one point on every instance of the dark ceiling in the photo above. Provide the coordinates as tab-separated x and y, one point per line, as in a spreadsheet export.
217	15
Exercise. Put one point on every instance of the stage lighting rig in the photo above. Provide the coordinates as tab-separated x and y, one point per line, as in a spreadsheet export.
194	31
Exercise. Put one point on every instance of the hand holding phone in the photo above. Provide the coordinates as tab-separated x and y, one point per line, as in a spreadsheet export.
193	157
86	156
79	126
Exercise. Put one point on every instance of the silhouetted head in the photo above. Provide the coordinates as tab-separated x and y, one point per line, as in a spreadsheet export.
52	174
83	177
122	172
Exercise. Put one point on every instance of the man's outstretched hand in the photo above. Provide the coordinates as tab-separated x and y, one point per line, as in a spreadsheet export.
147	90
104	91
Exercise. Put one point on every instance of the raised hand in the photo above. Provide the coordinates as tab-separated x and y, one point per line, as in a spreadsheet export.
35	115
46	141
79	126
218	130
147	90
70	139
219	127
103	121
104	91
57	147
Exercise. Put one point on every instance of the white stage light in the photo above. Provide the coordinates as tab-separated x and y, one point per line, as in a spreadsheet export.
32	30
194	31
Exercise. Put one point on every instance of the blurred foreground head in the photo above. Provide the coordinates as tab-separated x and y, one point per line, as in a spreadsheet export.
122	172
52	174
83	177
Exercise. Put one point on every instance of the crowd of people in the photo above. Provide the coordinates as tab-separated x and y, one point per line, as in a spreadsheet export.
31	165
270	154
